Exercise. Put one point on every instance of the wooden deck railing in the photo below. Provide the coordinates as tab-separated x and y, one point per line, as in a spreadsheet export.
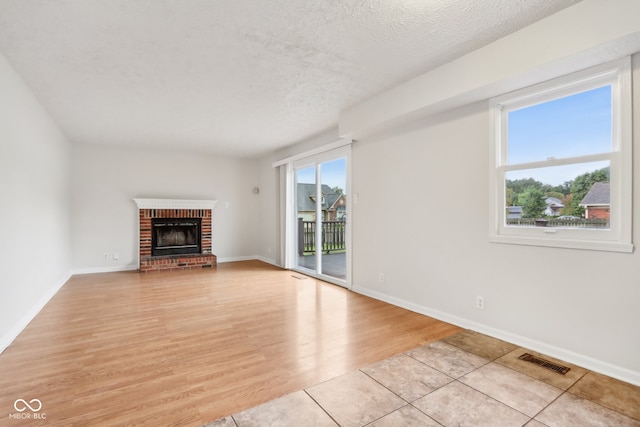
333	236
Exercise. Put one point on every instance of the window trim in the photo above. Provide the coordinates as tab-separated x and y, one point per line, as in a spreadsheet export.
618	238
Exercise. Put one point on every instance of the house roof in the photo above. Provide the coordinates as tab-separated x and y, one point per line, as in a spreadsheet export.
514	212
554	202
306	195
599	194
339	201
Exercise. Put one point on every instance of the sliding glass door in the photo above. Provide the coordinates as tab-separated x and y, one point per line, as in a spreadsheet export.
320	223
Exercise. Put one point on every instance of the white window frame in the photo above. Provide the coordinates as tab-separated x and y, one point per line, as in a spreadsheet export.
618	237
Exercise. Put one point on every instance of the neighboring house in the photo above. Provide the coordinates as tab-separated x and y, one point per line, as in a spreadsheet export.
514	212
597	201
554	206
334	205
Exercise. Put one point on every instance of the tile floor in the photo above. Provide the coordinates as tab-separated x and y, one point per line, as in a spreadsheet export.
468	379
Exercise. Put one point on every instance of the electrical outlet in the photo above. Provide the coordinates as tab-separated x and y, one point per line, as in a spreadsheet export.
381	278
106	256
480	302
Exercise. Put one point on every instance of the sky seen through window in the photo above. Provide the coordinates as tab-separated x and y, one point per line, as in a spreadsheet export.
571	126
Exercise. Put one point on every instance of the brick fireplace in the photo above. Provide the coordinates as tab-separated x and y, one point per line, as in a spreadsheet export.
174	234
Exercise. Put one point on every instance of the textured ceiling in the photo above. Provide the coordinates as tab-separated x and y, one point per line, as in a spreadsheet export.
234	77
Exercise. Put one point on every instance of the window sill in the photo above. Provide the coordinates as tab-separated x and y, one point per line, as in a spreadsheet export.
566	244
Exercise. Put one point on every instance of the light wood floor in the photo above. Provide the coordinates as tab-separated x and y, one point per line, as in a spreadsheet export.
185	348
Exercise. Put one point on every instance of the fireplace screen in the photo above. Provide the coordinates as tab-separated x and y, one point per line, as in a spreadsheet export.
173	236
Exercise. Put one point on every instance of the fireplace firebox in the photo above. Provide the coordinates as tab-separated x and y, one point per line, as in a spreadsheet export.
175	236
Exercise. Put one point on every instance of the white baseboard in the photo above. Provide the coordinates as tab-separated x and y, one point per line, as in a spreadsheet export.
93	270
222	260
19	326
268	261
566	355
247	258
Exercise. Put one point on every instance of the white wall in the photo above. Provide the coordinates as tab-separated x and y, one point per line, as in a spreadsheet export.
269	225
422	219
35	255
104	216
421	176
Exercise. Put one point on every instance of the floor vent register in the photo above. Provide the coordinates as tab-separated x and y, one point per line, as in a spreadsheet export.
544	363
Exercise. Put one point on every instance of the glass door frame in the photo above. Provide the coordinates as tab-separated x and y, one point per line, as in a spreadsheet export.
291	226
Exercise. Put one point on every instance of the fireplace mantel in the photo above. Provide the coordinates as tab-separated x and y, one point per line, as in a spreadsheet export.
175	204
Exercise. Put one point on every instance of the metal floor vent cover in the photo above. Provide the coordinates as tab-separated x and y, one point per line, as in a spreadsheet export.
545	363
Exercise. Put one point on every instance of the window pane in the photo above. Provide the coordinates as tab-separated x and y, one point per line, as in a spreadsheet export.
576	196
571	126
306	216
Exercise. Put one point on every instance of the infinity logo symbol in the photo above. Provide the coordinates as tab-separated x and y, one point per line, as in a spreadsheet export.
26	405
